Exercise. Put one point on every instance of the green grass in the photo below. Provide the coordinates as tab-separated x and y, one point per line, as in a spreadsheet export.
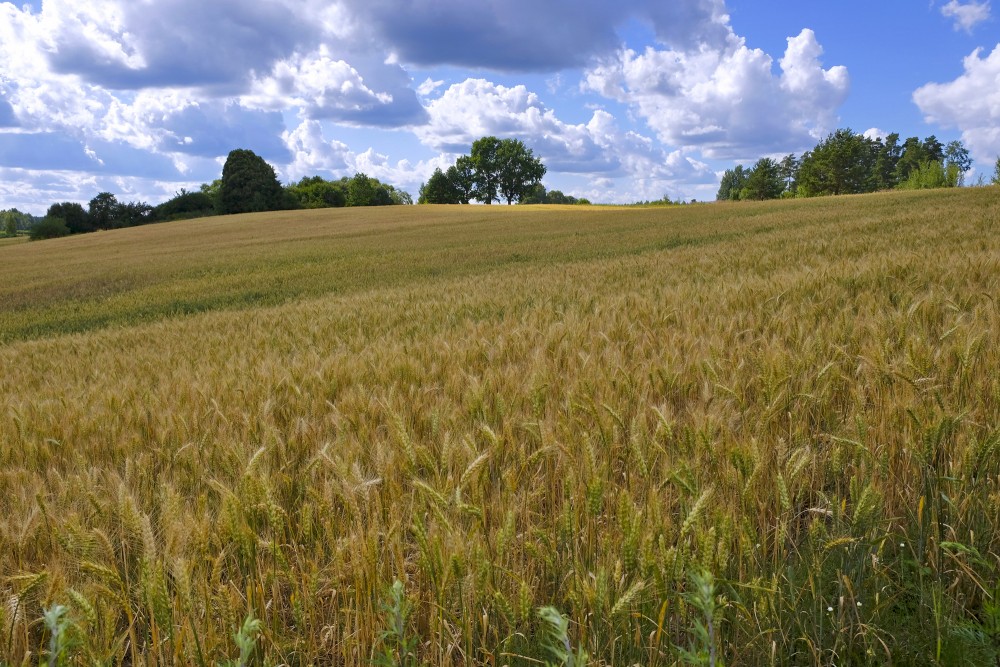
764	430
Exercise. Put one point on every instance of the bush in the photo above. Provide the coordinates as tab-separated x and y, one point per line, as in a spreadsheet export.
49	228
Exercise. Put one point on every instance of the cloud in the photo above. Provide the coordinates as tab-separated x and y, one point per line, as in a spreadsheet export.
727	102
970	103
527	35
7	116
966	15
123	44
874	134
325	88
477	107
313	154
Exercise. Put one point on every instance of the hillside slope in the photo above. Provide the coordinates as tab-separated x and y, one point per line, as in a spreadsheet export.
506	409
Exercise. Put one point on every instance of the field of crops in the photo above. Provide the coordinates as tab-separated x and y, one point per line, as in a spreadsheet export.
741	433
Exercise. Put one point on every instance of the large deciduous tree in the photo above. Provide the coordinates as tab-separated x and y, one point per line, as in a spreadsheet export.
486	169
733	182
519	170
249	185
462	176
73	214
102	211
438	190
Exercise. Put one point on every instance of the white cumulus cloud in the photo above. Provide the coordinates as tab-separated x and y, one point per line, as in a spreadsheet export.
971	103
728	102
966	15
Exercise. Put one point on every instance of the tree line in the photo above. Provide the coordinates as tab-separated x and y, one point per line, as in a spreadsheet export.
248	185
849	163
494	170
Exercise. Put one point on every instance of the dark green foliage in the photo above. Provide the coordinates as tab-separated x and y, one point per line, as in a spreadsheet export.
995	180
539	195
495	170
849	163
486	169
439	190
364	191
316	192
185	205
74	215
536	195
957	155
765	181
249	185
733	182
519	170
106	212
788	170
463	178
838	165
49	228
12	221
102	211
887	157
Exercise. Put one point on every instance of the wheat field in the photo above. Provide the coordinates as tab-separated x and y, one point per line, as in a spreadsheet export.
792	407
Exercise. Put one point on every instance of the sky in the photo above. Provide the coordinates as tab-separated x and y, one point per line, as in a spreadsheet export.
623	100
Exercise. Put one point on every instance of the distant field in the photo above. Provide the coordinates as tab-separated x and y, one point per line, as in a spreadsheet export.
12	240
796	404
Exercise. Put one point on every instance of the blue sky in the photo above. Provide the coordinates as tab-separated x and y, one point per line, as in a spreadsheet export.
623	100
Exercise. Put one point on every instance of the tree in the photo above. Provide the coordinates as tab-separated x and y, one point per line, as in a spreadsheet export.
996	173
733	182
438	190
462	176
519	170
49	228
102	211
73	214
888	153
536	195
764	182
362	191
838	165
185	205
249	185
9	223
315	192
132	214
788	171
486	169
957	155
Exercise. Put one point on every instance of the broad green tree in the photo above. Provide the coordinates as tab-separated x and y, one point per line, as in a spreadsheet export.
361	191
486	169
462	176
519	170
49	228
438	190
102	211
249	185
73	214
995	180
733	182
316	192
957	155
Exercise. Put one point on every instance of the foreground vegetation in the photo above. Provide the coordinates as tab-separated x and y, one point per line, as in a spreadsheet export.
761	433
